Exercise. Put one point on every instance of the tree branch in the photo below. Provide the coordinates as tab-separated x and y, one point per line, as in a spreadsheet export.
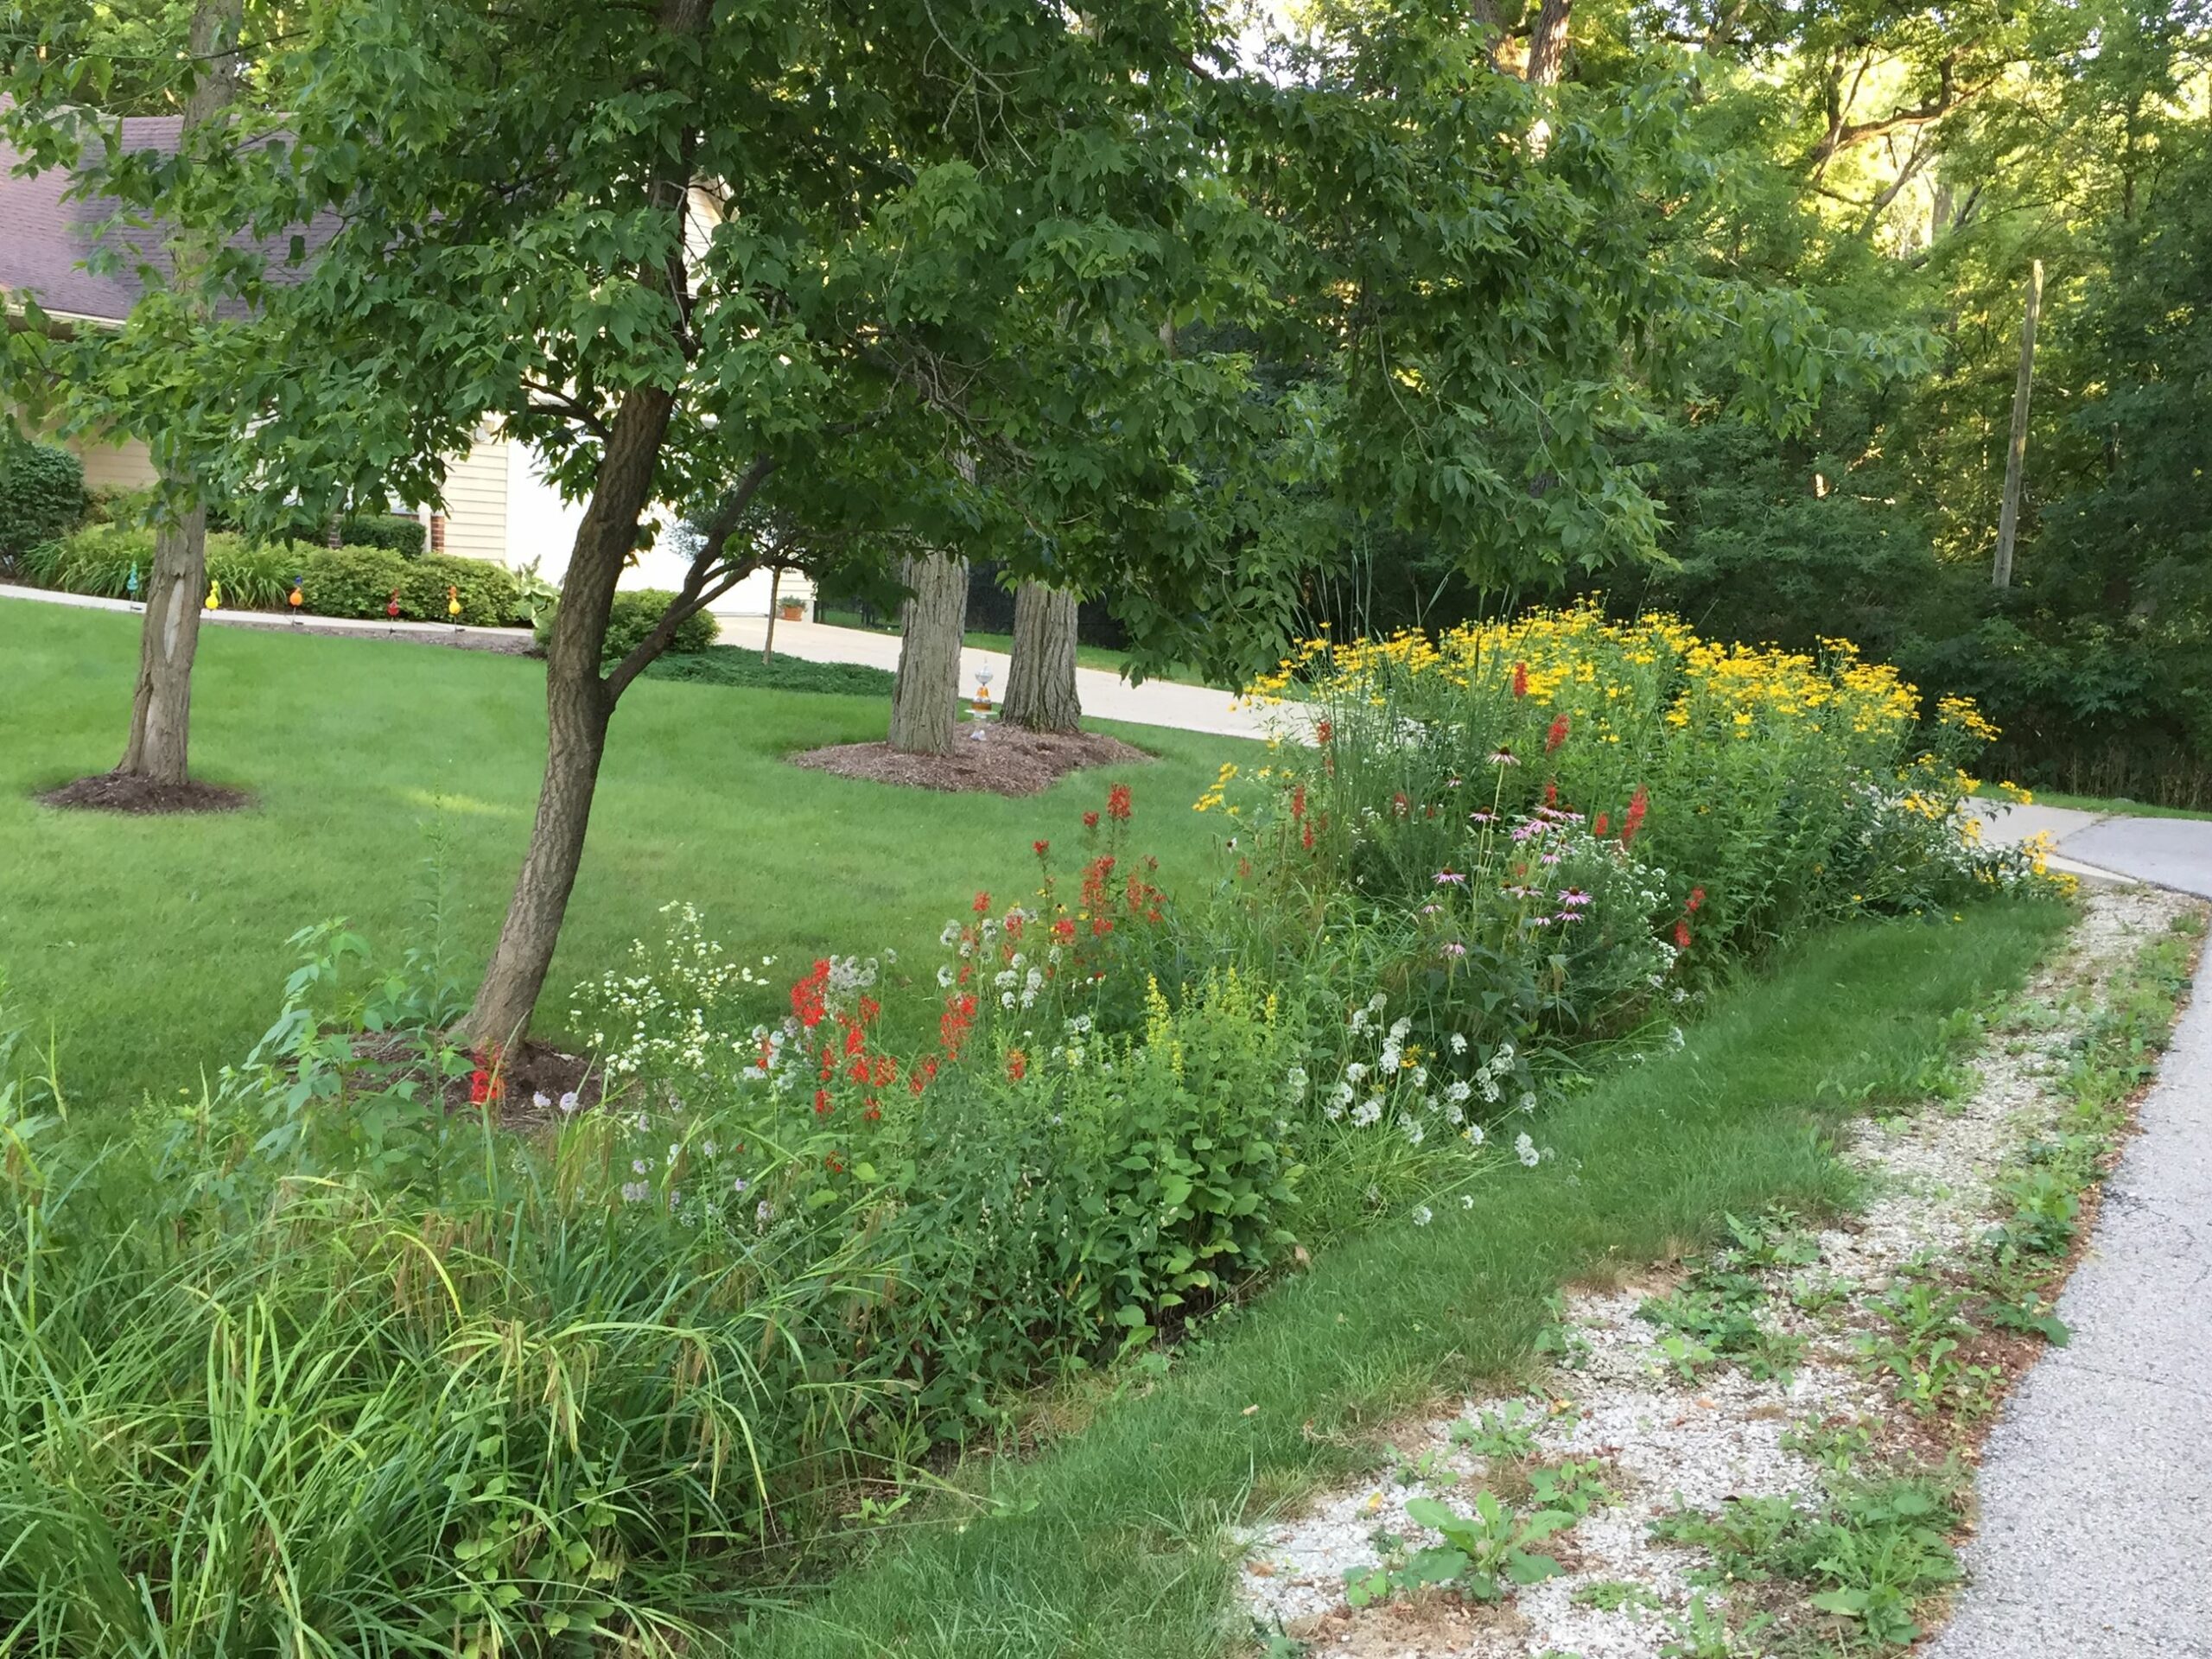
703	583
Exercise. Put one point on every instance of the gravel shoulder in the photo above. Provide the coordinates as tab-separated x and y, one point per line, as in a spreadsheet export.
1790	1352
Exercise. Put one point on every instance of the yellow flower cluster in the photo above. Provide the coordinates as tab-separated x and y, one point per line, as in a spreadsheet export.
1611	674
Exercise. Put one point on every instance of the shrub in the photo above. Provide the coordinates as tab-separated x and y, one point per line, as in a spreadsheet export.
632	617
360	581
42	494
391	531
356	581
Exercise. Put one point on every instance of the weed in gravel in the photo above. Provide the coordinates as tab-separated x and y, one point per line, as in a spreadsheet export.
1506	1435
1484	1556
1869	1553
1618	1596
1701	1631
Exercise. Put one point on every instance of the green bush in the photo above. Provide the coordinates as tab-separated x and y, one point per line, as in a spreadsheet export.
360	581
41	495
632	618
357	582
391	531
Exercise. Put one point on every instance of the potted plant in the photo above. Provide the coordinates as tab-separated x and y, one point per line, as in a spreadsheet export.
790	609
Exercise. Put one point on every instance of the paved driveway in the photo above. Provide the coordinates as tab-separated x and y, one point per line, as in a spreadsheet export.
2096	1488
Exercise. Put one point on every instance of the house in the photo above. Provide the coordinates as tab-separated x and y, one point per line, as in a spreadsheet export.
499	503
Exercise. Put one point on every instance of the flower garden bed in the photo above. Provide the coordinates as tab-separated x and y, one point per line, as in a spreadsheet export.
629	1372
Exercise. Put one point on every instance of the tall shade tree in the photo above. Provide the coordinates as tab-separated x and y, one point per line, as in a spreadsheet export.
1040	682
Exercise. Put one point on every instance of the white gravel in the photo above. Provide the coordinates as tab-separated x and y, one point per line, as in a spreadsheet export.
1667	1445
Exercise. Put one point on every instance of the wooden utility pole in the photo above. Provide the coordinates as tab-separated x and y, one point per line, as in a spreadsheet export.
2015	452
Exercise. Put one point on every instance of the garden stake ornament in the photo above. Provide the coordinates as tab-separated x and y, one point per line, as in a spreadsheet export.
391	608
452	605
296	599
130	584
214	595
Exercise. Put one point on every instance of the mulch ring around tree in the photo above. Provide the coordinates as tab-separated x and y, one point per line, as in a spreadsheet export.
122	792
533	1086
1005	760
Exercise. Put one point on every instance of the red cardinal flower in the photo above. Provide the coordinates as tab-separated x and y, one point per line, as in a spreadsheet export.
1520	679
983	905
1323	730
821	1103
1697	898
1040	848
1682	935
1090	820
1298	803
1117	802
1551	791
1017	1065
1599	828
1064	931
1556	735
1638	804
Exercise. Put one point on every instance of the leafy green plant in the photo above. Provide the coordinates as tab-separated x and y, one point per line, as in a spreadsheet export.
1484	1555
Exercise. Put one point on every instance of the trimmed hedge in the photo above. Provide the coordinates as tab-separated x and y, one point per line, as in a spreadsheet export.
361	581
42	494
385	530
355	581
632	618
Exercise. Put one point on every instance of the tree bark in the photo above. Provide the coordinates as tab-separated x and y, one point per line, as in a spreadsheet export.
1040	687
579	702
161	709
931	621
2016	451
159	745
1547	45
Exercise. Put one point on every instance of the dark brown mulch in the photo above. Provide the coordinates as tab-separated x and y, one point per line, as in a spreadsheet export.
524	1073
122	792
1007	760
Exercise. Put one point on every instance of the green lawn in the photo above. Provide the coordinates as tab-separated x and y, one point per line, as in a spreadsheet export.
1112	1545
155	947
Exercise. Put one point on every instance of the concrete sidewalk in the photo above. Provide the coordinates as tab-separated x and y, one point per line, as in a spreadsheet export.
2095	1490
1104	697
511	641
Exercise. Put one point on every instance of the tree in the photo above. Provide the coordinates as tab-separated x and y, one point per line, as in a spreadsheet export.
760	259
1041	683
932	620
70	367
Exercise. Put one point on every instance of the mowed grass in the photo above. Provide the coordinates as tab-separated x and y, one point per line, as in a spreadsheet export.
150	948
1114	1545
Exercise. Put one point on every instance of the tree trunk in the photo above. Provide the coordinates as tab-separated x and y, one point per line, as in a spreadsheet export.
1547	45
769	643
924	699
1040	689
2016	452
161	710
578	705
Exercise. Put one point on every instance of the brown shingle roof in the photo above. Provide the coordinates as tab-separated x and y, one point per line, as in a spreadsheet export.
45	239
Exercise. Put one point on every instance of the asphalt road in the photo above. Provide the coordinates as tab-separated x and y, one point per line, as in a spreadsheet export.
2095	1492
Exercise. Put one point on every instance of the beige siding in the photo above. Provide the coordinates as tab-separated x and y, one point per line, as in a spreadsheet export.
124	466
476	502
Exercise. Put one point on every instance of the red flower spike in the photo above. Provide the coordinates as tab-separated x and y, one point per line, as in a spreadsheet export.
1323	730
1117	802
1551	791
1090	820
1017	1065
1064	931
1681	936
1638	804
1520	679
821	1103
1697	900
983	905
1556	735
1599	828
1040	848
